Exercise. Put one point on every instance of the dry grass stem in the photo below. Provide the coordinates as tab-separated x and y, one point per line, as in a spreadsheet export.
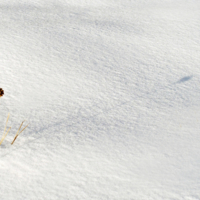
19	132
5	133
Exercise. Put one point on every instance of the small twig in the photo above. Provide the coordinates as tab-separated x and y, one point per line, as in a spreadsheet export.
19	132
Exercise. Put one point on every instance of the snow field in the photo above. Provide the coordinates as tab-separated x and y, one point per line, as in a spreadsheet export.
111	92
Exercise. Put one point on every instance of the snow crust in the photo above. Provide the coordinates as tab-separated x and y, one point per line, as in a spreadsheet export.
111	90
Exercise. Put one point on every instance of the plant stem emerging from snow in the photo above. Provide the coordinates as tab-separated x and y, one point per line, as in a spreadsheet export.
18	132
5	133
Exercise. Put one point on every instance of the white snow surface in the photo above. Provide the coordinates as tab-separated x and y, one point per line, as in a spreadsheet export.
111	92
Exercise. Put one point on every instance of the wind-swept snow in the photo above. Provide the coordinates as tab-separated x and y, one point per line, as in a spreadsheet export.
111	90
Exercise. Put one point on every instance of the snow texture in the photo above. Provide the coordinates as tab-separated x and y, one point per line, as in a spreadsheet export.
111	89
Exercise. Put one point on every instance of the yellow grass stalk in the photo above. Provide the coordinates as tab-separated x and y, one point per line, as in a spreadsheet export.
18	132
5	133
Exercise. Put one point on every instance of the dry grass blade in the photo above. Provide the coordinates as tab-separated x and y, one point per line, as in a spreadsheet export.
4	136
23	129
19	132
5	133
6	123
